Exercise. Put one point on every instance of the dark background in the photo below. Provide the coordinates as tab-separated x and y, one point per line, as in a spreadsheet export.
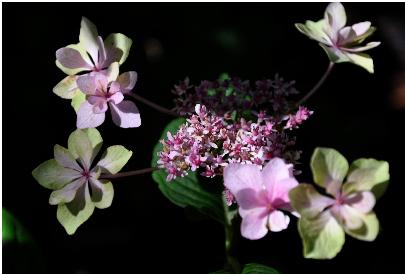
355	112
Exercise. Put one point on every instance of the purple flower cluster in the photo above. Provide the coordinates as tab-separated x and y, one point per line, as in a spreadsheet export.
225	96
211	142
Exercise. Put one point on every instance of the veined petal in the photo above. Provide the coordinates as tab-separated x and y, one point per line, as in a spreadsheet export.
116	98
127	81
78	100
89	84
322	237
308	202
65	158
73	59
254	225
335	15
368	231
242	176
102	193
329	168
125	114
361	201
75	213
51	175
120	41
84	144
112	72
88	38
362	48
315	31
67	193
367	174
87	118
249	199
361	59
114	159
278	221
67	88
278	180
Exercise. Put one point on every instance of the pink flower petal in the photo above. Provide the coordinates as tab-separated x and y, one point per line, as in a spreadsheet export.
239	176
71	58
116	98
278	180
67	193
362	201
348	216
114	87
278	221
249	199
86	118
254	225
127	81
125	114
102	55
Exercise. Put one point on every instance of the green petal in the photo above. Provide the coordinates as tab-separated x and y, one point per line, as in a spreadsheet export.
120	41
368	174
51	175
329	168
75	213
322	237
77	100
361	38
113	71
83	53
114	159
88	38
368	231
84	144
67	88
307	201
102	193
335	55
314	30
361	59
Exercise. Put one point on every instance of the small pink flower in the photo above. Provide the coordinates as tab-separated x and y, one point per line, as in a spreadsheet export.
261	195
101	94
297	119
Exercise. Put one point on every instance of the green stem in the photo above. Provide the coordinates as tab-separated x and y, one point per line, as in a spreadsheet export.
318	85
231	261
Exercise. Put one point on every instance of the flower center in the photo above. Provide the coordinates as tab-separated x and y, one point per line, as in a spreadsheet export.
86	174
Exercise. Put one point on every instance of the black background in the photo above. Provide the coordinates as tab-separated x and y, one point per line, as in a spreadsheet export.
142	232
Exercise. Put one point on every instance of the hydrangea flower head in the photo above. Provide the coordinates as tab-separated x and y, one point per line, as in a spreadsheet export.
77	185
342	43
325	219
262	195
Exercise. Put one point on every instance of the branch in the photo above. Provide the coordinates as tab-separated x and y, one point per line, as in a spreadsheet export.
318	85
153	105
128	173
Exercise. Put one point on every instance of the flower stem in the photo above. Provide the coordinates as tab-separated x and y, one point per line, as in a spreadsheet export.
231	261
128	173
153	105
318	85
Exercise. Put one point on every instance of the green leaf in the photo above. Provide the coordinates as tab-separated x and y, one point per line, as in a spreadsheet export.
368	174
368	231
329	168
77	100
361	59
223	77
114	159
51	175
322	237
121	42
67	88
75	213
258	269
13	230
186	191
